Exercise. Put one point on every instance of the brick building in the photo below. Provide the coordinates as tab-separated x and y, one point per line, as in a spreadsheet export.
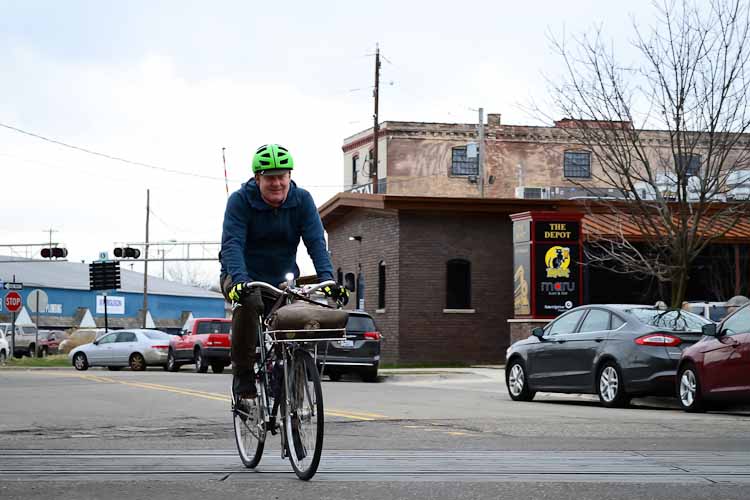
438	271
434	159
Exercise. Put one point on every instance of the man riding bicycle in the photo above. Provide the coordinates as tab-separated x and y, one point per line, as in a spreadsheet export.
263	224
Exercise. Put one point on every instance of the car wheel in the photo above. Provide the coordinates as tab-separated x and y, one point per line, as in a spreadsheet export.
80	362
217	367
171	365
517	382
201	364
689	390
370	374
32	351
137	363
3	357
610	386
44	352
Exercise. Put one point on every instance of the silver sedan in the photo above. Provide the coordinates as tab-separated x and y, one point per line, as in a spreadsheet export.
134	348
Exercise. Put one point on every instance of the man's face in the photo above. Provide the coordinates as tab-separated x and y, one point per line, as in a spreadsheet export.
273	188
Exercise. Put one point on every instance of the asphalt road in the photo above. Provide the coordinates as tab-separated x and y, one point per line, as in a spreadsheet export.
451	434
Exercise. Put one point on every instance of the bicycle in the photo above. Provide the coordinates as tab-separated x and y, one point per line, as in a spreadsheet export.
288	384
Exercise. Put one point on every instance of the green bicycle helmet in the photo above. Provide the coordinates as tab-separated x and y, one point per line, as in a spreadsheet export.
272	159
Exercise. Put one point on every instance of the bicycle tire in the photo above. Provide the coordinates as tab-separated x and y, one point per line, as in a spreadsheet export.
250	432
304	420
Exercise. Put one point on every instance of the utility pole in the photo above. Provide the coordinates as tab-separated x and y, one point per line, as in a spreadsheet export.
375	127
480	160
145	263
50	231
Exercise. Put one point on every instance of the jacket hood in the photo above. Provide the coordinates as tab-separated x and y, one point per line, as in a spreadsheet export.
251	190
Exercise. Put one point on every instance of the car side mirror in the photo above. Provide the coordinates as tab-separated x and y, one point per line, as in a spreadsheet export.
538	332
710	330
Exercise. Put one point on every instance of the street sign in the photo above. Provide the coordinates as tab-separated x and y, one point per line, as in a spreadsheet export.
13	302
13	286
104	275
37	300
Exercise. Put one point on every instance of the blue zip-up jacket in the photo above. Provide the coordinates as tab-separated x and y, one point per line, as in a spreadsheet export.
259	242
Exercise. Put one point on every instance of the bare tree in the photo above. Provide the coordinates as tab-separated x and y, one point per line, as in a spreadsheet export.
191	275
667	133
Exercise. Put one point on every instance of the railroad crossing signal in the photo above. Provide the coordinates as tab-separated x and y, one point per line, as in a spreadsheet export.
104	275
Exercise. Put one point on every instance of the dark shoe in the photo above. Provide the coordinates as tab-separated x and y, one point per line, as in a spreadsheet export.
243	385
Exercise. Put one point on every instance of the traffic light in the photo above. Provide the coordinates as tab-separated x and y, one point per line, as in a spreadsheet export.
54	253
104	275
127	253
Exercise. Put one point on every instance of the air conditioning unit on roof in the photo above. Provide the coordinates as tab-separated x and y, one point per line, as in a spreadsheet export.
532	193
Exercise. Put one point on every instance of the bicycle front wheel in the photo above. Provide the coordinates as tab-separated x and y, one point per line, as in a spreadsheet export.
303	419
249	427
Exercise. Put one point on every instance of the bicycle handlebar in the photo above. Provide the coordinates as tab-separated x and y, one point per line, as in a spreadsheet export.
302	291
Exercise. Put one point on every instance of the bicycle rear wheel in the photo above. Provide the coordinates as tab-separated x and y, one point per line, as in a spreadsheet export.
250	427
303	420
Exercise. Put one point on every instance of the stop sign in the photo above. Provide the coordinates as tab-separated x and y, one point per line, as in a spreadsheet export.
13	302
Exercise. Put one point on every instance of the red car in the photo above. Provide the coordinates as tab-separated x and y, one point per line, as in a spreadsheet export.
204	342
717	367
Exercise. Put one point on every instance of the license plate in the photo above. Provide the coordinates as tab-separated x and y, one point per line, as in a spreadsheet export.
346	343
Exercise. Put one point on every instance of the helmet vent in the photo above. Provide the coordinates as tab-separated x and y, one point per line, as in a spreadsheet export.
284	161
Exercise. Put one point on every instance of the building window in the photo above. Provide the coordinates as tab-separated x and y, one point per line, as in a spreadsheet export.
691	164
577	164
349	281
355	159
463	166
458	284
381	285
339	276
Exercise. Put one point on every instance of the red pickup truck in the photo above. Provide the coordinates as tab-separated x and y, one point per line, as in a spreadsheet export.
203	342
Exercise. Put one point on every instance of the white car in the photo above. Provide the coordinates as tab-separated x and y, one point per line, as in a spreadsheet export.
4	348
134	348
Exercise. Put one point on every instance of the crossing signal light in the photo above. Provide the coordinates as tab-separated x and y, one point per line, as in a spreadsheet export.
54	253
127	253
104	275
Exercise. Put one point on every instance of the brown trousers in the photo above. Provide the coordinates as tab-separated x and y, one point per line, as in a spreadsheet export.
246	321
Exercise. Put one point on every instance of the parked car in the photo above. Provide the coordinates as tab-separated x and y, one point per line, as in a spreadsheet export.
359	353
134	348
25	339
717	368
49	342
203	342
615	351
715	311
4	348
80	337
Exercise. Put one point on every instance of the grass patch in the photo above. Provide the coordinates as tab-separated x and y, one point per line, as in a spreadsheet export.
49	361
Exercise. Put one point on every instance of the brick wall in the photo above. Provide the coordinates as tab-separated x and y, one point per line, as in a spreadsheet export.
428	241
380	242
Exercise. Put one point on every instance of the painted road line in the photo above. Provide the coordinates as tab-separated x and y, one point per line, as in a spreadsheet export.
215	396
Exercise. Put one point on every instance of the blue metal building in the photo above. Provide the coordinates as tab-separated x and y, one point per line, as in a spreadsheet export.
71	304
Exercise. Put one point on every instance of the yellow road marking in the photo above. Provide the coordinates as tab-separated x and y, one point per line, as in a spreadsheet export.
363	416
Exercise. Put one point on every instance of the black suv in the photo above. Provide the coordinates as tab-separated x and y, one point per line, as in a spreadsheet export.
359	353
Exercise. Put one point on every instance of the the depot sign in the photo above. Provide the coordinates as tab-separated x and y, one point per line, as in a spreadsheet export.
546	263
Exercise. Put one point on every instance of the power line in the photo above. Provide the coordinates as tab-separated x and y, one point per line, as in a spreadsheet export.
110	157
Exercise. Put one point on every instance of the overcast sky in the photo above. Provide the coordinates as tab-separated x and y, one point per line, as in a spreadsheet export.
169	83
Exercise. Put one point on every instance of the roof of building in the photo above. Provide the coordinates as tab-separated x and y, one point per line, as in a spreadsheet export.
75	276
599	219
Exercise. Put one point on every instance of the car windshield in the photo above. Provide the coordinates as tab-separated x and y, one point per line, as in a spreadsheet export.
214	327
675	320
360	324
156	335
